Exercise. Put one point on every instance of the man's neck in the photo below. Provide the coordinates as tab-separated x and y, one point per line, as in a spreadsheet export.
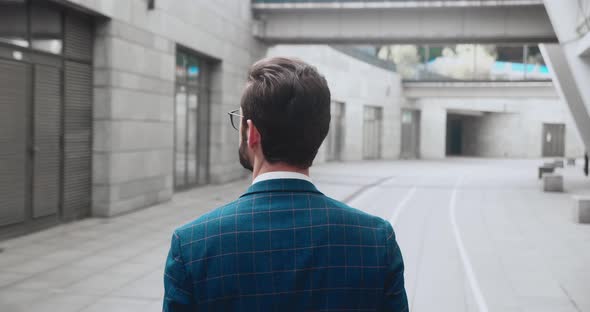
266	167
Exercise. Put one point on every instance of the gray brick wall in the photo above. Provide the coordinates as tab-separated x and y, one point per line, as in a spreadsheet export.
134	68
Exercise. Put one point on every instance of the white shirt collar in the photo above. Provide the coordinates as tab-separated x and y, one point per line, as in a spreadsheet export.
281	175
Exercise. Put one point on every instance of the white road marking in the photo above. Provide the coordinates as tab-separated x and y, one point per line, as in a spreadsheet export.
479	298
402	205
368	193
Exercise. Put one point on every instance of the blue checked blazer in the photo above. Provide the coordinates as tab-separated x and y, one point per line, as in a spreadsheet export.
284	246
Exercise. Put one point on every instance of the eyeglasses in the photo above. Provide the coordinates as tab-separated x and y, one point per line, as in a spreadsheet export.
234	118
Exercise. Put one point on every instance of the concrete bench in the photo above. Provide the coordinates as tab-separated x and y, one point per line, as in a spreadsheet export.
571	162
581	211
546	168
558	163
553	183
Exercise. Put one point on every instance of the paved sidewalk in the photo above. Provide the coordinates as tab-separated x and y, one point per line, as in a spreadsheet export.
526	253
116	264
100	264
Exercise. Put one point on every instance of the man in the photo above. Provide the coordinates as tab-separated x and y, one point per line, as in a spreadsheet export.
586	163
283	245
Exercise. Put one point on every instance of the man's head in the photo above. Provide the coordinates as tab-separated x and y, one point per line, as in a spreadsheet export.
286	113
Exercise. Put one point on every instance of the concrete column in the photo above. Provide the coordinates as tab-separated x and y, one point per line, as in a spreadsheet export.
133	119
566	84
433	132
570	69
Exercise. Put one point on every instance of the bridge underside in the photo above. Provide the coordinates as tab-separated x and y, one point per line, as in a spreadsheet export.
374	25
541	89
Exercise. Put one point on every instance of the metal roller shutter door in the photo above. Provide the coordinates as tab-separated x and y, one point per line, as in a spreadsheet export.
14	102
77	139
78	38
46	140
77	179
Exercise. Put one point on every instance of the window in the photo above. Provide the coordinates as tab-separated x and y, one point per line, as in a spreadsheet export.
335	139
191	150
372	132
46	29
13	28
37	25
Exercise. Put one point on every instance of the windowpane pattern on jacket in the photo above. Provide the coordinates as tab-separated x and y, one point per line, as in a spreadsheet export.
285	246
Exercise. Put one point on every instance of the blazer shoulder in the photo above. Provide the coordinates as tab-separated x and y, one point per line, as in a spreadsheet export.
187	228
364	217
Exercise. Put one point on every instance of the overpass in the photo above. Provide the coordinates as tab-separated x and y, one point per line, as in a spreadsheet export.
480	89
402	21
547	22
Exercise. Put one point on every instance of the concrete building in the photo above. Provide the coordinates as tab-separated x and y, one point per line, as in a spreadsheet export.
500	127
517	120
130	102
498	119
111	106
361	92
569	59
443	22
147	85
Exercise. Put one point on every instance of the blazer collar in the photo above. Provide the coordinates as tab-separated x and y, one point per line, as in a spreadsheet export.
282	185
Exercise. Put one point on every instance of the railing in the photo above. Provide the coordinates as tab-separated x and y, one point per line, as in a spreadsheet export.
377	1
365	54
466	62
259	5
455	63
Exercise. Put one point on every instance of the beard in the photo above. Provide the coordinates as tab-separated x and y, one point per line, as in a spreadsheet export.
243	154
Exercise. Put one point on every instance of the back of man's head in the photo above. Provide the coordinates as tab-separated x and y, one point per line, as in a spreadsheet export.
289	103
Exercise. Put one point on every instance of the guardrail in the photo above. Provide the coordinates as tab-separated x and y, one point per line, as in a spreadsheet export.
456	63
377	1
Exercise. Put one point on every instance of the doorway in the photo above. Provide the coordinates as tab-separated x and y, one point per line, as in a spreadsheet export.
454	135
410	141
191	121
45	116
372	132
335	140
553	140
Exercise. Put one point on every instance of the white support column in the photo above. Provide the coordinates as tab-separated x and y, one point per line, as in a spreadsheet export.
570	68
567	87
433	132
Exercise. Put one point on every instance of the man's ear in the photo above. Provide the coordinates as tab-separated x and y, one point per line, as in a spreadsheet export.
253	134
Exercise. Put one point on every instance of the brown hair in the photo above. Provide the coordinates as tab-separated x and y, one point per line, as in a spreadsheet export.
289	102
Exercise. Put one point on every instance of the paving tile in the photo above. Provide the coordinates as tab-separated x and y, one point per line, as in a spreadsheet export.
130	268
8	259
7	278
31	249
99	284
583	307
154	306
98	261
112	304
149	286
62	303
144	288
544	304
54	279
19	300
33	266
578	289
66	255
526	252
